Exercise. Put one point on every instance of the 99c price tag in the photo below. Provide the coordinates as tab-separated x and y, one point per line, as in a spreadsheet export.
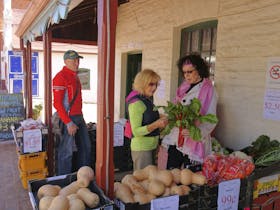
228	195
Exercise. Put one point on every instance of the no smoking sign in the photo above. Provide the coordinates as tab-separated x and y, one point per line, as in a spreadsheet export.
274	72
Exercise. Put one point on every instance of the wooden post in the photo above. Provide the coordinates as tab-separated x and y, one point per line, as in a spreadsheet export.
47	41
28	79
105	95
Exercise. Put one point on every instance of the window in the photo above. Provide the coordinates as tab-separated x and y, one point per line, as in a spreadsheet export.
84	76
200	38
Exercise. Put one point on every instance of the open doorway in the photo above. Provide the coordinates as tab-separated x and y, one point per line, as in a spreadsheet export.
134	64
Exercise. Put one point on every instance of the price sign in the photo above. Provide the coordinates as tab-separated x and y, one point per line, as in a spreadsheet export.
228	195
32	141
165	203
272	104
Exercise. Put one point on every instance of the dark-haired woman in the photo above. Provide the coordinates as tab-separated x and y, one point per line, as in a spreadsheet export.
196	84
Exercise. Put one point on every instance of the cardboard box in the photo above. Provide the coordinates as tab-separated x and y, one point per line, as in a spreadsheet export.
265	185
64	180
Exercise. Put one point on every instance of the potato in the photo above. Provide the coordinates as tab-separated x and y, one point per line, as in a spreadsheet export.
91	199
59	202
70	189
48	190
123	192
45	202
77	204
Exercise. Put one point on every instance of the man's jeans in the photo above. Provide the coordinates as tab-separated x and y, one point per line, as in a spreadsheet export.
66	146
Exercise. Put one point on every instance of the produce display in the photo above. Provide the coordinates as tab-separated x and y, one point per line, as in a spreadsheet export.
150	182
75	196
264	151
218	168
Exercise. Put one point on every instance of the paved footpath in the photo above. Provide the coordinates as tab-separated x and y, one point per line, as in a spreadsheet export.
12	195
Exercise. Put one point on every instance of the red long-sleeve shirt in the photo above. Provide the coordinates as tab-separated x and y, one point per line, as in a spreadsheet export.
65	84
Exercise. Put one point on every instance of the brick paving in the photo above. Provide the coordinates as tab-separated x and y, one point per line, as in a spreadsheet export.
12	195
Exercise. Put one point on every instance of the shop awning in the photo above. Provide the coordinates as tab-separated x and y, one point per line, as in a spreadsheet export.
41	14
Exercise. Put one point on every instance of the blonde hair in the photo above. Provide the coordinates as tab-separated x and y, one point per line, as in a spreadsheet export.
143	78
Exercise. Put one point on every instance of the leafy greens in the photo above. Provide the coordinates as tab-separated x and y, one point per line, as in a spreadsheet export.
185	116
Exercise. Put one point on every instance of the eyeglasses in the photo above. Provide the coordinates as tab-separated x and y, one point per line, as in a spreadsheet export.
153	84
188	72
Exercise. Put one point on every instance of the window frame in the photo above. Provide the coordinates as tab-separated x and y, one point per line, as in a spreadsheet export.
186	46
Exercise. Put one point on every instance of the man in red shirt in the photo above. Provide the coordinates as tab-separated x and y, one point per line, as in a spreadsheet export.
67	88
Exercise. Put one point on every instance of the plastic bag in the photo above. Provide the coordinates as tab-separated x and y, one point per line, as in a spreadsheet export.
128	130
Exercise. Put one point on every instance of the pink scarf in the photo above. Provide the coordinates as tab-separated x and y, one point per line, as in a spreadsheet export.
195	149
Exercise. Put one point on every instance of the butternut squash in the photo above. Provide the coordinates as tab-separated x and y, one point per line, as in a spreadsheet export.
140	175
59	202
73	196
45	202
84	176
70	189
176	190
167	191
142	198
156	187
123	192
198	179
91	199
83	181
148	170
86	171
186	189
176	173
164	176
186	176
48	190
76	204
133	184
145	184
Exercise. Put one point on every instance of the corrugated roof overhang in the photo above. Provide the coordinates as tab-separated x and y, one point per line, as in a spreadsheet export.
41	14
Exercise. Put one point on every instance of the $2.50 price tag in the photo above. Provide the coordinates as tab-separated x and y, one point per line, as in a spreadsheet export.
228	195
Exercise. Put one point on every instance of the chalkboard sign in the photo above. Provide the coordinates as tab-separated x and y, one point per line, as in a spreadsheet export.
11	111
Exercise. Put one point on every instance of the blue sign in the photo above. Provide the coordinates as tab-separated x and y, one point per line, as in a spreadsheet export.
16	74
17	85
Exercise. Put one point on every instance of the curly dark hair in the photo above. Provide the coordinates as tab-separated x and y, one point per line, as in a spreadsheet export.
198	63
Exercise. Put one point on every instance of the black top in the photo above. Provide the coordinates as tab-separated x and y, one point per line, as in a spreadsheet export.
149	116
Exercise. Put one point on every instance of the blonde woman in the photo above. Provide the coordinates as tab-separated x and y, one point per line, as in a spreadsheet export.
145	122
